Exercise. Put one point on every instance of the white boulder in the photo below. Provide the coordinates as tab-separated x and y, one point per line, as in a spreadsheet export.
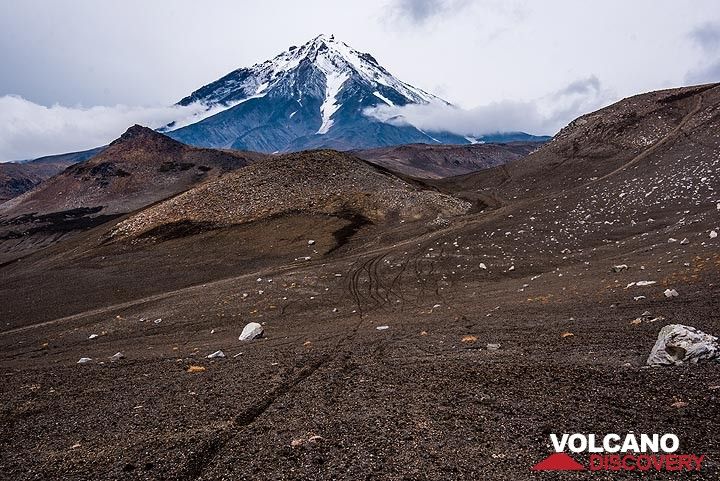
677	344
251	331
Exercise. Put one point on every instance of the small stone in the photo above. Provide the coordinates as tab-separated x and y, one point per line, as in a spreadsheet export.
382	328
483	266
469	339
85	360
194	369
679	404
493	347
619	268
713	234
311	242
566	334
93	336
671	293
216	355
117	356
685	241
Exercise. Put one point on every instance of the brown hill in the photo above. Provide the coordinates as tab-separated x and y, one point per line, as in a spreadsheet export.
139	168
602	143
19	177
435	161
321	182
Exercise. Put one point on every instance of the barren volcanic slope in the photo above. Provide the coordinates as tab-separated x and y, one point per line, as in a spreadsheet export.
434	161
19	177
404	347
139	168
313	182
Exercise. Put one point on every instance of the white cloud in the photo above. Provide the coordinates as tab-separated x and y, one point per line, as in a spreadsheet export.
545	115
29	130
420	11
706	38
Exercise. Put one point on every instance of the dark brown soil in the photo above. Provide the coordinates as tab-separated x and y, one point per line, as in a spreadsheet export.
424	399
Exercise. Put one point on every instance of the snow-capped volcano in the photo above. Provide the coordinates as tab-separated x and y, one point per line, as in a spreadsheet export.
310	96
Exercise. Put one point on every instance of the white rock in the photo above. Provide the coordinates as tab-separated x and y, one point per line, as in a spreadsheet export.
671	293
216	355
677	343
645	283
483	266
382	328
93	336
251	331
493	347
685	241
619	268
117	356
713	234
85	360
311	242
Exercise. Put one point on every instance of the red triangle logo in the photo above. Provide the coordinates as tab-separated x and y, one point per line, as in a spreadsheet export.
558	462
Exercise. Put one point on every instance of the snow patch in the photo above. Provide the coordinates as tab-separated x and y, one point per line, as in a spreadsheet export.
384	99
333	83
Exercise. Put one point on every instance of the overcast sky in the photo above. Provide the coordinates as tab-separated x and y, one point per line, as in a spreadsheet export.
76	73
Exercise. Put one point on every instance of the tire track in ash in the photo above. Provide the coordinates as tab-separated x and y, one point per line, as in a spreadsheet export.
369	267
199	461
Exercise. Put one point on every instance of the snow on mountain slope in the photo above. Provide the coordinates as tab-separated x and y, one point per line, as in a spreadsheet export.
310	96
331	56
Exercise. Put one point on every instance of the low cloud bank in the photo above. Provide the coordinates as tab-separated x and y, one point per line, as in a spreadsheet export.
543	116
29	130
